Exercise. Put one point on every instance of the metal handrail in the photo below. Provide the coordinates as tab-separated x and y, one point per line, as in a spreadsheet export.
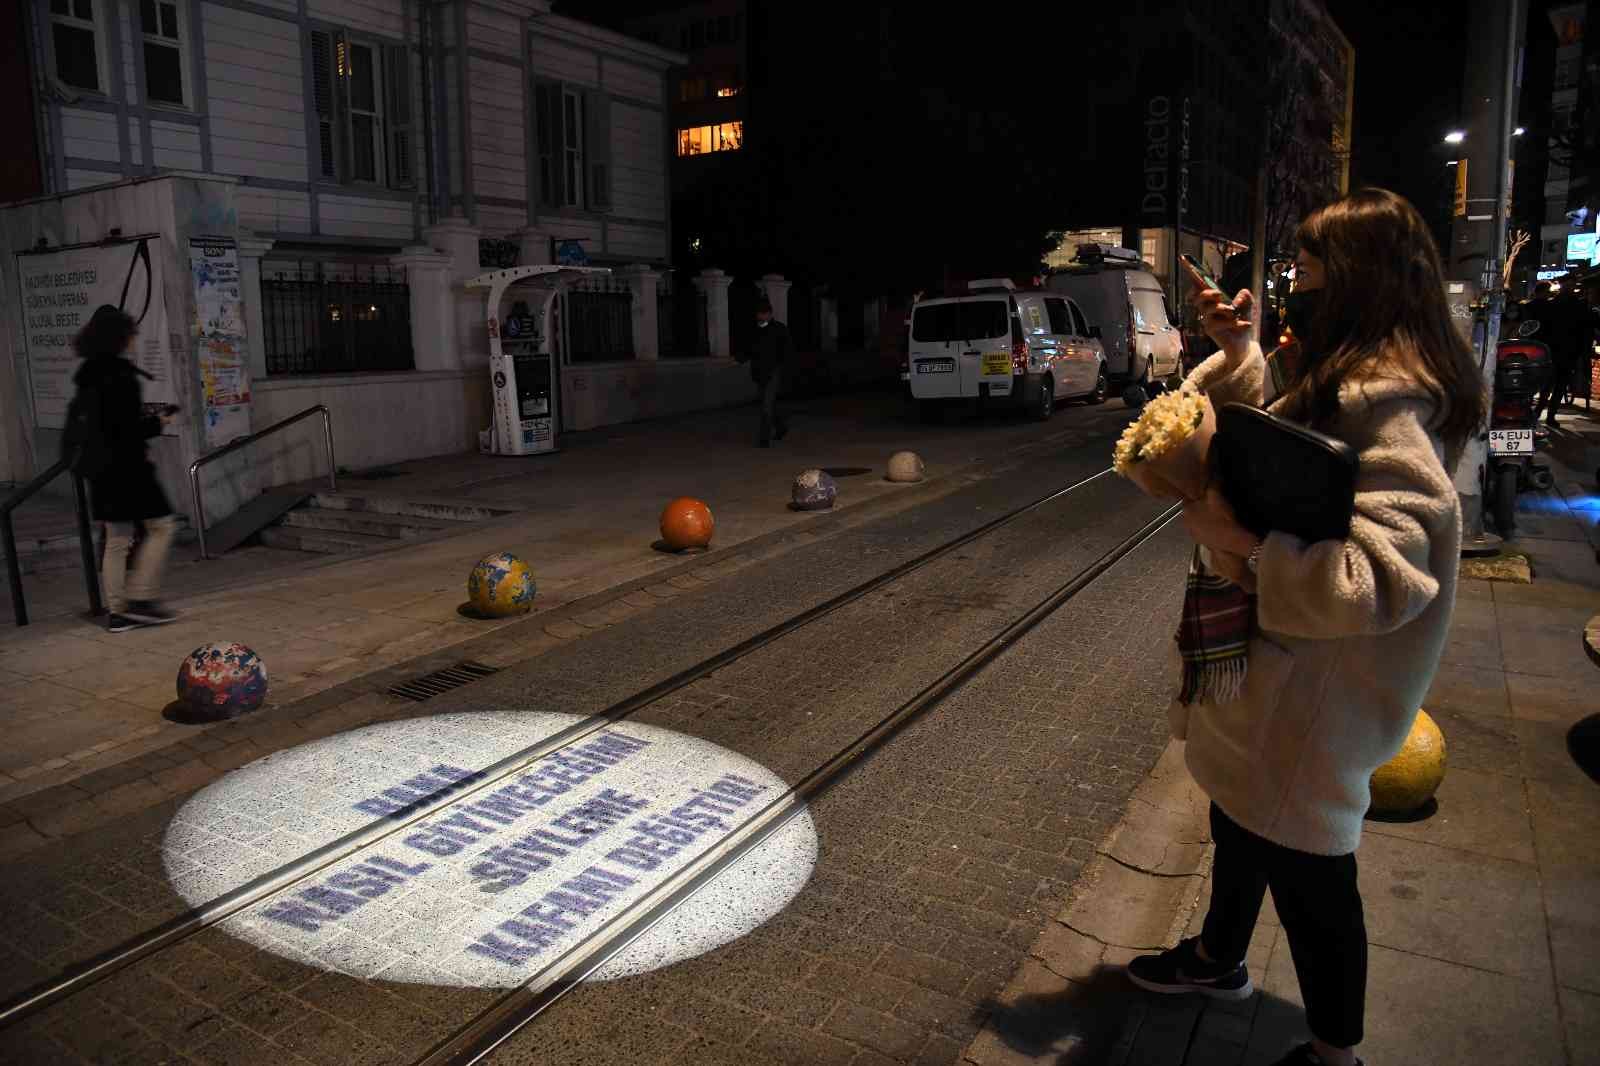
91	575
233	446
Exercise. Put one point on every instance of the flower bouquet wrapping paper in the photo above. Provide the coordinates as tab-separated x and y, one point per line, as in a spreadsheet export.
1166	451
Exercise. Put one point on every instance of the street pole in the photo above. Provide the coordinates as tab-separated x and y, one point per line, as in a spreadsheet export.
1258	241
1479	236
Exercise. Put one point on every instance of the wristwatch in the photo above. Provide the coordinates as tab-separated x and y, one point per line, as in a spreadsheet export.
1253	560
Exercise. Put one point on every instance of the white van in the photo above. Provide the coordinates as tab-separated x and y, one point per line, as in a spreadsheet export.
1027	348
1125	300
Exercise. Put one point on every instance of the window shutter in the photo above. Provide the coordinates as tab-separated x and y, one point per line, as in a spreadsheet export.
402	154
597	150
548	140
324	89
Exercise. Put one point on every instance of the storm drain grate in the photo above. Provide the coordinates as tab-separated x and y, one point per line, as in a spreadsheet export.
430	685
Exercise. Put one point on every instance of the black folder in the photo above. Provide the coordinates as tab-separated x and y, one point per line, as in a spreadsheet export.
1277	475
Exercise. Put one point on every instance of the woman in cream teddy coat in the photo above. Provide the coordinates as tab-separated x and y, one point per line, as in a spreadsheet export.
1348	633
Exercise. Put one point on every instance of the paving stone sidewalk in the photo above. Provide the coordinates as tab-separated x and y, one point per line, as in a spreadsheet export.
1483	914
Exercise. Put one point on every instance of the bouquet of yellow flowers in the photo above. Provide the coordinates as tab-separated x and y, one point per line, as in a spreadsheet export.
1166	449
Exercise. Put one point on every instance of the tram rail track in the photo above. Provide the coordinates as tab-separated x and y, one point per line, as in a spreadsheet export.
83	976
490	1028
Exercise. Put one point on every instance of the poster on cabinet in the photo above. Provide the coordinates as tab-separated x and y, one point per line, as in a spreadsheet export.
221	347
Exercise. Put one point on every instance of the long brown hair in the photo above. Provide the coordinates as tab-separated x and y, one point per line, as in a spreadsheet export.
1383	313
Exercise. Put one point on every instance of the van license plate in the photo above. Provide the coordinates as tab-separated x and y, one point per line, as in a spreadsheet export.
937	366
1511	442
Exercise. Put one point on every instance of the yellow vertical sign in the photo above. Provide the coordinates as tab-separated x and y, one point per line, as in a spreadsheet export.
1461	187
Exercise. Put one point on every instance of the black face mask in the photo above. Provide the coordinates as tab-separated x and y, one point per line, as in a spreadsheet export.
1300	307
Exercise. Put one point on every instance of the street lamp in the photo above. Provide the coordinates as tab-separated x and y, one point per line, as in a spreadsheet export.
1518	132
1455	137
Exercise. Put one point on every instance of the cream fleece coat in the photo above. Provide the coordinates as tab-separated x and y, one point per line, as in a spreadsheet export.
1349	633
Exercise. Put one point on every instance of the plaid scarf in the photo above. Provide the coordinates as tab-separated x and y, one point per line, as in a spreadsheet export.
1218	618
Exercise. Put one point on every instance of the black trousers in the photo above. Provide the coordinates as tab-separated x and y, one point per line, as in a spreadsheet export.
1320	908
772	420
1561	373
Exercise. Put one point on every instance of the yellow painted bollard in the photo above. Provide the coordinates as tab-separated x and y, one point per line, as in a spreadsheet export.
1409	780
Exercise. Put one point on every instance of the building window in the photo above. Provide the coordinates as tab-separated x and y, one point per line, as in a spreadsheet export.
362	95
572	149
364	71
572	140
165	80
692	89
74	35
725	137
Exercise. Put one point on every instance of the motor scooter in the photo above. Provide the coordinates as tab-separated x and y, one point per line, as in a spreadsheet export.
1521	367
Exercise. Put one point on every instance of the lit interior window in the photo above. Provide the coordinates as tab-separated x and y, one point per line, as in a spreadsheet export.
724	137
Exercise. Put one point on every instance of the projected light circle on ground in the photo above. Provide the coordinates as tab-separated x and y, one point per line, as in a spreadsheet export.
486	891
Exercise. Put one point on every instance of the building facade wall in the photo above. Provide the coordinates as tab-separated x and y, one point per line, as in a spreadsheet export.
272	102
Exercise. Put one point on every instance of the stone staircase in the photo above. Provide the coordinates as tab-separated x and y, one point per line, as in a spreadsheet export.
332	523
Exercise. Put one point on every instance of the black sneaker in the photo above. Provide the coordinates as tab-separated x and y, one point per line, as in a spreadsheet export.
118	623
1305	1056
150	613
1178	970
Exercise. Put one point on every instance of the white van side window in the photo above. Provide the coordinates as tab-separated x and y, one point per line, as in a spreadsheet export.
1059	322
1080	325
1149	310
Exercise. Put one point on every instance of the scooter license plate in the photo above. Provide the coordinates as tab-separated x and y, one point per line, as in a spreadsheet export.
1511	442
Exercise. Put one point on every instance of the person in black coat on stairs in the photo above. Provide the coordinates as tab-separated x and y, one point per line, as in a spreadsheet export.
106	434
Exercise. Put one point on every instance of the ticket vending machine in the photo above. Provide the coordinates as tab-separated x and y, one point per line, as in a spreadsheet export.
525	341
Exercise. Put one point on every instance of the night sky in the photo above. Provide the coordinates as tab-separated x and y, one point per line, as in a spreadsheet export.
1408	87
1408	92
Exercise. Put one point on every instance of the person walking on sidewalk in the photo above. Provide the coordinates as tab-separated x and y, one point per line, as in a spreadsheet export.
1564	323
106	434
770	357
1305	664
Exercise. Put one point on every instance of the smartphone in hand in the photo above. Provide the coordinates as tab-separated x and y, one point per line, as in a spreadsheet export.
1202	278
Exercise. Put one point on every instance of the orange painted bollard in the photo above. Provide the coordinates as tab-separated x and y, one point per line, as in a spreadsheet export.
687	524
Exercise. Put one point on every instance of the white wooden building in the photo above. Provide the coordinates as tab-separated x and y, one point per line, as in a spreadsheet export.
366	156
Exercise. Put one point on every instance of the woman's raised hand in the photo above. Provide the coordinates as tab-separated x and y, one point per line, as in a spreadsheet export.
1226	321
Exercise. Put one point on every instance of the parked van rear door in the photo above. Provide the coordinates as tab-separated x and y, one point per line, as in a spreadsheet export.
985	327
935	350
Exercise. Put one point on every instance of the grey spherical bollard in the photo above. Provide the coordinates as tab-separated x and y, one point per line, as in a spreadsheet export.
814	490
905	467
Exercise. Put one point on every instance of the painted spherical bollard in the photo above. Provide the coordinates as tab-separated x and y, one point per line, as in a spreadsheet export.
905	467
501	585
814	490
687	523
1409	780
222	680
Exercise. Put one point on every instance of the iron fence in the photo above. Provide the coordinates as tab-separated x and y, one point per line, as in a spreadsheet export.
599	320
680	317
336	318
